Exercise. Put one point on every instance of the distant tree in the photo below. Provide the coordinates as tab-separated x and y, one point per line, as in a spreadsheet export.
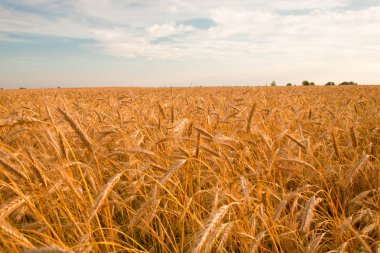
305	83
312	83
330	84
348	83
273	83
288	84
22	88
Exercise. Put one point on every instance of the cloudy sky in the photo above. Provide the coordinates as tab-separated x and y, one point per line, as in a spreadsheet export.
46	43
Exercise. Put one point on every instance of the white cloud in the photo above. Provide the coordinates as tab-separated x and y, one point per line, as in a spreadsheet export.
317	35
12	21
164	30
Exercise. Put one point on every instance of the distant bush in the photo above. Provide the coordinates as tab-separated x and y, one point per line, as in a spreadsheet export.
330	84
273	83
348	83
307	83
288	84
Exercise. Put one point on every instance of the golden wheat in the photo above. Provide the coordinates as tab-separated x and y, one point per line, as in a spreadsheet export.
207	169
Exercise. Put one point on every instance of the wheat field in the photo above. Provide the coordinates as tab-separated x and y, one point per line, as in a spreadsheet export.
237	169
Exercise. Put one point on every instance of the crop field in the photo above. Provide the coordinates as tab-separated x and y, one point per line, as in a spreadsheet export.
237	169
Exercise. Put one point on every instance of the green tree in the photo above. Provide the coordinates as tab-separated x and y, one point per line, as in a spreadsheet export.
348	83
305	83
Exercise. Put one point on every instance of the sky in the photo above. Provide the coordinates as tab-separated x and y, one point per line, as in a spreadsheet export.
72	43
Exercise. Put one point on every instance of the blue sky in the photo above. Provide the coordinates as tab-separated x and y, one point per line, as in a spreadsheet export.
46	43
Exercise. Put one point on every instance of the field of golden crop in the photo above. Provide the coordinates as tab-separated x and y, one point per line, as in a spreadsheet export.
240	169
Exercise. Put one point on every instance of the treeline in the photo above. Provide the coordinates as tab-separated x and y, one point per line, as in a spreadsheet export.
307	83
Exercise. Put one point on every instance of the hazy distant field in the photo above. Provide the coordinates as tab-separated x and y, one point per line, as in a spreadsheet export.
270	169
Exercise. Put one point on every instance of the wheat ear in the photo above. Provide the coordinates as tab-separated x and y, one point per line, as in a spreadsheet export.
46	250
251	113
211	225
77	129
353	137
309	213
296	141
297	161
13	169
341	248
279	209
103	195
204	132
313	246
83	246
12	205
335	144
256	244
162	111
12	232
171	170
359	167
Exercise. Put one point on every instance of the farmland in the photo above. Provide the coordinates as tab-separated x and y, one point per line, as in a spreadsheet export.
223	169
